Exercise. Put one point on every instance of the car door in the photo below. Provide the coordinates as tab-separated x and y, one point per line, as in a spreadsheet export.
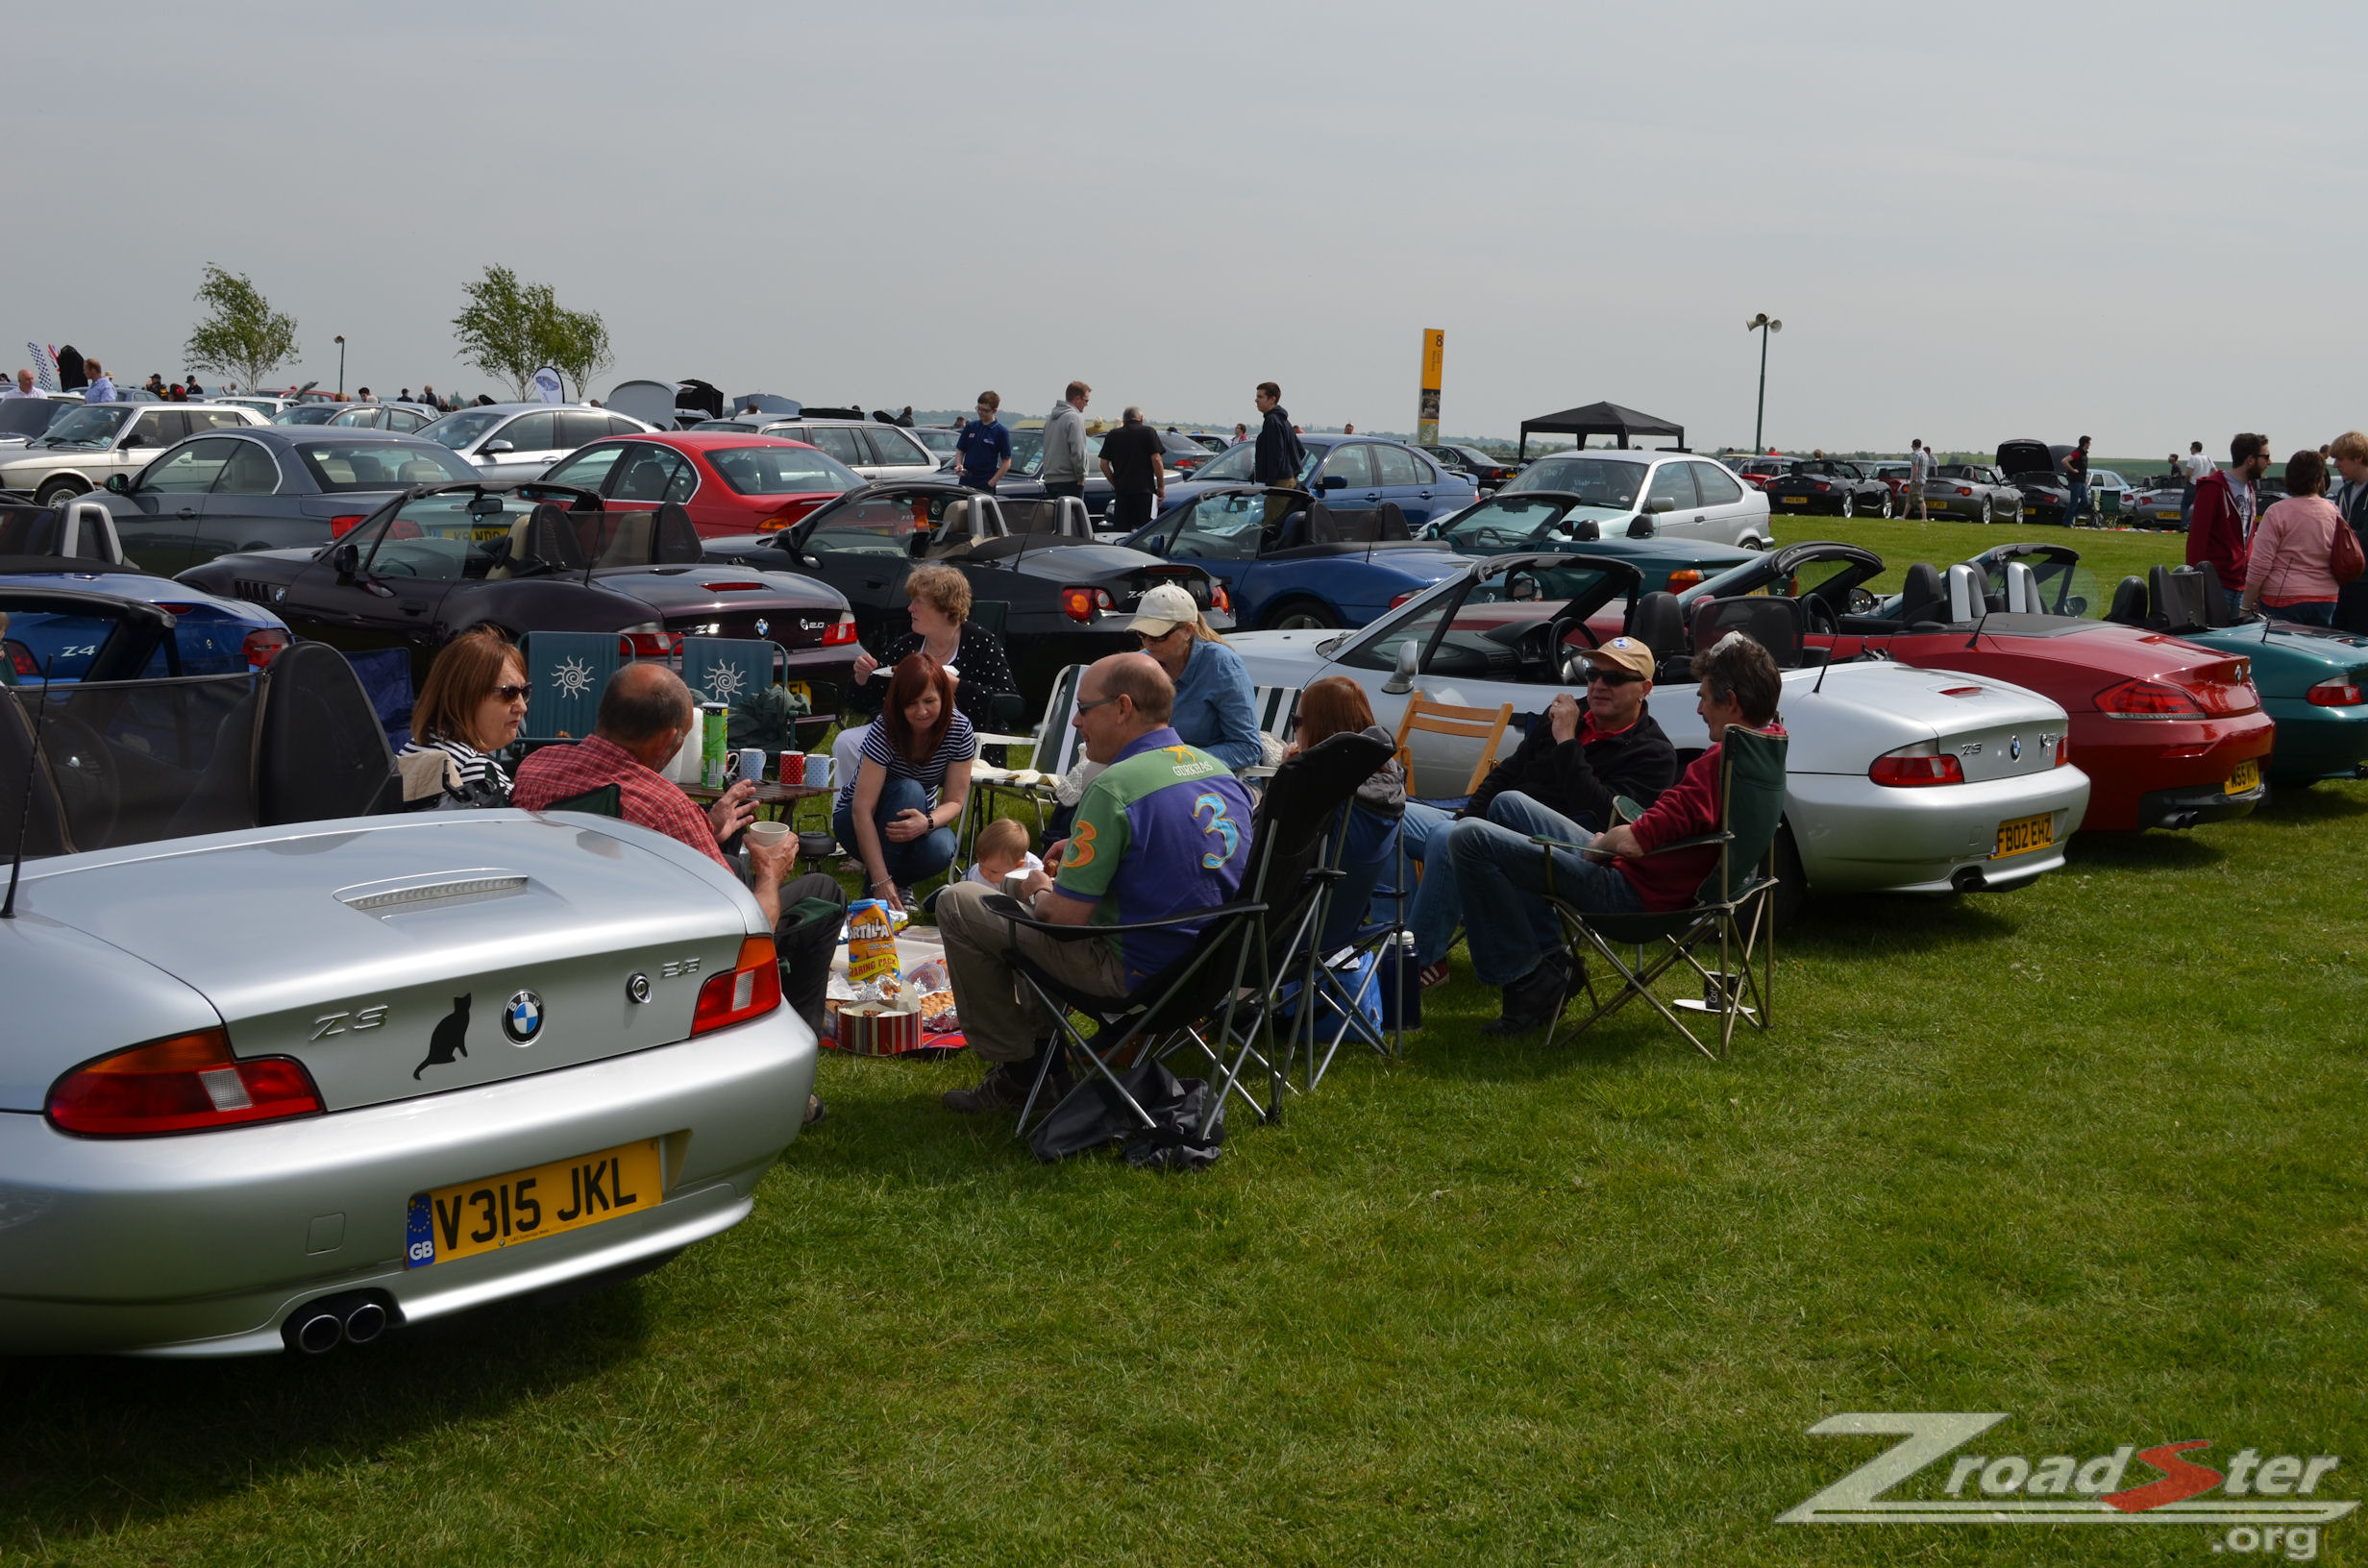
389	601
1220	533
1346	477
157	520
249	508
592	468
848	446
897	454
578	430
1673	482
147	433
1406	480
863	549
533	445
1727	511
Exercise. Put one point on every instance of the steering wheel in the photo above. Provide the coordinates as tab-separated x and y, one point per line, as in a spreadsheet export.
1819	614
1491	535
89	785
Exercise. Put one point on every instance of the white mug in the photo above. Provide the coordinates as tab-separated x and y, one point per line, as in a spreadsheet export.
818	770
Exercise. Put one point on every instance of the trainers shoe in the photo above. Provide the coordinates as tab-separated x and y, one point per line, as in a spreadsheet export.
1434	975
1001	1089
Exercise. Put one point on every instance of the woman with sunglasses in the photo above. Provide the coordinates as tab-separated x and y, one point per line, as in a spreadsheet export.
472	705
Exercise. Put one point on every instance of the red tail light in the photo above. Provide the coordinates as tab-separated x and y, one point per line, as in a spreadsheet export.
1913	766
185	1083
1080	604
647	644
1680	581
735	587
842	633
2064	749
1221	599
21	660
2337	694
262	645
751	990
1401	600
340	526
2148	700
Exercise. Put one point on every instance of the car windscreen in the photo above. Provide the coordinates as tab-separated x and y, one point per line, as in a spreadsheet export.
1598	481
380	465
29	416
1239	465
2065	587
1511	522
1027	452
781	471
878	525
938	440
308	414
87	426
443	537
457	430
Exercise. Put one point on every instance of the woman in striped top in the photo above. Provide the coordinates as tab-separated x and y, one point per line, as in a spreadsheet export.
897	812
472	704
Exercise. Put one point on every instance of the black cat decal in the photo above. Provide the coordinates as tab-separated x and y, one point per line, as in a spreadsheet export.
449	1040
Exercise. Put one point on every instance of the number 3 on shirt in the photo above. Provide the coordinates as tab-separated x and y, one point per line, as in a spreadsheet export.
1220	825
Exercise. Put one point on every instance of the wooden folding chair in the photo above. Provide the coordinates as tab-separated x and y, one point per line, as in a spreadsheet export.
1487	726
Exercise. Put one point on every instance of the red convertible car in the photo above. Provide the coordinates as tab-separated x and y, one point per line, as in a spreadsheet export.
728	481
2170	734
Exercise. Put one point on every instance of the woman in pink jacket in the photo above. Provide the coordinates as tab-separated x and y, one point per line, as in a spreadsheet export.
2288	573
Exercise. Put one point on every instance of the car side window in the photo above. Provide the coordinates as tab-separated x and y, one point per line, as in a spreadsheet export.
202	420
405	421
155	428
1219	528
1352	463
588	468
356	419
580	430
896	446
842	443
250	471
652	473
619	425
189	469
531	433
1717	486
1398	466
1673	483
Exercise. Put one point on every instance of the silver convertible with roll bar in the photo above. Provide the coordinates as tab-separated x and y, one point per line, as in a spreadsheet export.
283	1069
1900	781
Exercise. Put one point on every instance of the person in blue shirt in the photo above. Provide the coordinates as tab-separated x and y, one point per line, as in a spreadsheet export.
102	387
1216	705
982	452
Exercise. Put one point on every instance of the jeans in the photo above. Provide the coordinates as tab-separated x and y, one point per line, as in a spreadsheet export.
2237	603
1064	487
906	862
1130	511
2312	612
1496	867
1439	905
2078	504
1369	850
2186	506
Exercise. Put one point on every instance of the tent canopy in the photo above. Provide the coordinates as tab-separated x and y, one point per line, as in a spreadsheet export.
1600	419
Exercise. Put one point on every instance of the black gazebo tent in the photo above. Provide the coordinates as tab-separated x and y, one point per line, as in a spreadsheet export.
1600	419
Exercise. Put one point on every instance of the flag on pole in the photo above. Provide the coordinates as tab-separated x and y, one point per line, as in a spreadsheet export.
44	366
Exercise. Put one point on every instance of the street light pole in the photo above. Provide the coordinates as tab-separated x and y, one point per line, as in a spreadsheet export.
341	368
1763	325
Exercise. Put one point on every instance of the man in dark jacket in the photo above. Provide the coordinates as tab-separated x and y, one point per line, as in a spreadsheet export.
1278	454
1561	783
2221	531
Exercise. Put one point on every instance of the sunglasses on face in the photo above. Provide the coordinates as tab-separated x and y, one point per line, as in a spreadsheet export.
1612	677
1100	701
513	693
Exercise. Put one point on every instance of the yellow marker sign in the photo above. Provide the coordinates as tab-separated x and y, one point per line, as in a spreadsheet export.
1426	412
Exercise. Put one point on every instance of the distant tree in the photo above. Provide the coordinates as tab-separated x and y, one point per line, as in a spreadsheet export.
241	336
576	343
503	328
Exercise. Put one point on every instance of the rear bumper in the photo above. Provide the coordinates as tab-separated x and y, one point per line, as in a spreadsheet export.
2190	804
1857	835
2147	771
201	1245
2315	743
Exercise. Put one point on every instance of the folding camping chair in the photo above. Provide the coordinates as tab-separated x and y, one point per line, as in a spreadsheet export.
726	670
1338	979
567	671
1735	903
1487	726
1056	745
1266	921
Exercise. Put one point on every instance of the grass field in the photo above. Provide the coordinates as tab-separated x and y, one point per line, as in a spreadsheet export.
2087	1153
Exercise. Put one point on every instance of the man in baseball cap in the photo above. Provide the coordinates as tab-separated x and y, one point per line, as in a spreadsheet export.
1216	704
1560	783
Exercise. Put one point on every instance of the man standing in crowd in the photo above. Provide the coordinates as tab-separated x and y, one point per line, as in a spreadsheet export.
2221	529
1064	467
1240	433
23	387
983	449
191	387
1610	873
2197	467
1163	829
102	387
1133	461
427	395
2076	474
1919	474
1279	455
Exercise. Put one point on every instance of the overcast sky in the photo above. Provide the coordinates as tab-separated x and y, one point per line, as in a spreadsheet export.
2138	222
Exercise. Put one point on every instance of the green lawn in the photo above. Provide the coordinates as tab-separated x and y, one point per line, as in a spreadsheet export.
2085	1153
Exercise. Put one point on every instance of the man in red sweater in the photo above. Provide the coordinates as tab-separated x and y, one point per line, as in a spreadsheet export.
1615	872
2221	530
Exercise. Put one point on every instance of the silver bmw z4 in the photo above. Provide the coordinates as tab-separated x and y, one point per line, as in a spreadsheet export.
289	1087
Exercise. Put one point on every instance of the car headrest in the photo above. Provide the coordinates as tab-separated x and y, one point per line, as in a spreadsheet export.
2129	602
1968	601
2215	596
677	539
1921	599
2022	589
319	751
1660	624
2177	607
549	538
1036	519
1774	624
81	530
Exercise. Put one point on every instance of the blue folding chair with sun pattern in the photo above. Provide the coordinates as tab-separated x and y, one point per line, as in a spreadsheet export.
567	671
726	670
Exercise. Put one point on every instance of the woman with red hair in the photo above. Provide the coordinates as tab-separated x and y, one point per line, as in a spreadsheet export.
898	813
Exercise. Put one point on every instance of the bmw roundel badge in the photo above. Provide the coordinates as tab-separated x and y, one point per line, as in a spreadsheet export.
763	626
2014	747
523	1019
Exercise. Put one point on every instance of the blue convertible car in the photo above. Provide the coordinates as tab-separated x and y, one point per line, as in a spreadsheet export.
1321	564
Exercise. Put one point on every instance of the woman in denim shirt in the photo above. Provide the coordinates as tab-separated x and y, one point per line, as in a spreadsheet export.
1215	704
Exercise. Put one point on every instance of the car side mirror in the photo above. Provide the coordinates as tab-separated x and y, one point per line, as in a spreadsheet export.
1587	530
1661	504
1409	665
347	560
120	483
496	446
1333	482
135	439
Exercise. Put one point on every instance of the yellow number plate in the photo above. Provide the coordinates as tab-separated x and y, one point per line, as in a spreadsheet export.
798	688
2025	834
1796	501
2246	779
501	1210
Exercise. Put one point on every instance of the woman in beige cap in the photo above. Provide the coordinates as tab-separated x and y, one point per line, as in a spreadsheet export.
1216	708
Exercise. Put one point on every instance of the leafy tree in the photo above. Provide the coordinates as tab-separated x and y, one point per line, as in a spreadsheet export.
503	328
241	337
576	343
